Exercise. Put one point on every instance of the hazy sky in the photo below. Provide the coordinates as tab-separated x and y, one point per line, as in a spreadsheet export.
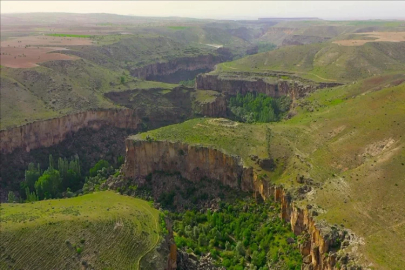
221	9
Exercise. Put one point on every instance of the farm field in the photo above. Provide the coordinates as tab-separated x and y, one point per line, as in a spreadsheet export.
102	230
373	37
31	56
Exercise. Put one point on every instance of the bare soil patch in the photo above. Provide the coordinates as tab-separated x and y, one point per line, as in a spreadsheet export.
29	57
378	37
29	41
27	52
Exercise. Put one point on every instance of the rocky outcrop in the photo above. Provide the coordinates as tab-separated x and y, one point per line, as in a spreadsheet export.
200	62
195	162
50	132
271	84
215	107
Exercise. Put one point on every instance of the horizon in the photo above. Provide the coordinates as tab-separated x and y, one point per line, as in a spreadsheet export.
219	10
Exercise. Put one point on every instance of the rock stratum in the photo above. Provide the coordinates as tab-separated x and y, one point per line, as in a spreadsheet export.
52	131
195	63
271	84
196	162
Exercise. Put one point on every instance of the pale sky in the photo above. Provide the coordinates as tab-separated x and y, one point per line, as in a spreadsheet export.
334	10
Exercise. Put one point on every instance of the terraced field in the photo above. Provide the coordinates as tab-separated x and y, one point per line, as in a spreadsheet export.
102	230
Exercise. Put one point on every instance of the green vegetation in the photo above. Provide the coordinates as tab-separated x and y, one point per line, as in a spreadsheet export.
188	83
265	47
239	235
177	27
261	108
102	230
59	181
69	35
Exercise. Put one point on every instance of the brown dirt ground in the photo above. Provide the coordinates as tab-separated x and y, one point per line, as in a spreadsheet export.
379	36
29	57
29	41
26	52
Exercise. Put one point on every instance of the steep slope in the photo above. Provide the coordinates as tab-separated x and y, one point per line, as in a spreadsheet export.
342	154
326	62
94	231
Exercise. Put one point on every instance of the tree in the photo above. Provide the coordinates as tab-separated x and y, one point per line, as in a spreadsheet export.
11	197
49	184
240	249
31	196
70	173
122	80
31	176
99	165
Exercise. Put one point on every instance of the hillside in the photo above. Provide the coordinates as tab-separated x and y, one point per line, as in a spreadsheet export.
326	62
348	140
96	231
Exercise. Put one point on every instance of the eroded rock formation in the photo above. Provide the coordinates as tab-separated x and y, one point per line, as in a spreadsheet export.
196	162
272	85
52	131
196	63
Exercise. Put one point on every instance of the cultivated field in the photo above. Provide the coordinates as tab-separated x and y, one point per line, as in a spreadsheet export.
373	37
31	56
26	52
102	230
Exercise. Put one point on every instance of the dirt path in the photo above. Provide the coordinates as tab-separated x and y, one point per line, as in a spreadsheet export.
138	266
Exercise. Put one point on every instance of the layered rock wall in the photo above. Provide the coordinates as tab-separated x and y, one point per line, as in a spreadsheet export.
50	132
243	84
215	108
196	162
184	63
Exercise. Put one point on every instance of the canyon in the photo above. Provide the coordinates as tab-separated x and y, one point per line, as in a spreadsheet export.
174	71
320	248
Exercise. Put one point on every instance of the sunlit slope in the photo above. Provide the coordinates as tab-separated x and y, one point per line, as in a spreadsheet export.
103	230
58	88
326	62
349	140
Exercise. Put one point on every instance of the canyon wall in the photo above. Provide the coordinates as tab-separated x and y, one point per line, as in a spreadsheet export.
196	162
244	83
214	108
52	131
200	62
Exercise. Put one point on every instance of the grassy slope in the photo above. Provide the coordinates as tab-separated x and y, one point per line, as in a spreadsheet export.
352	143
55	89
117	232
326	61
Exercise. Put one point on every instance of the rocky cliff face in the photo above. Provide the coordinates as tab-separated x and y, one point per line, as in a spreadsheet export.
243	83
196	162
50	132
213	108
200	62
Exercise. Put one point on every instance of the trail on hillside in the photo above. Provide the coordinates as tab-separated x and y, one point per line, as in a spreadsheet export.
153	245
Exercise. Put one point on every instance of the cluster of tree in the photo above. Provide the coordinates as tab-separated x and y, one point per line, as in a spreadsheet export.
246	235
60	179
50	183
254	107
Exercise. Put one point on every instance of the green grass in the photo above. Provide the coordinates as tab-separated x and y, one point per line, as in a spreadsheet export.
69	35
104	229
206	96
178	27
